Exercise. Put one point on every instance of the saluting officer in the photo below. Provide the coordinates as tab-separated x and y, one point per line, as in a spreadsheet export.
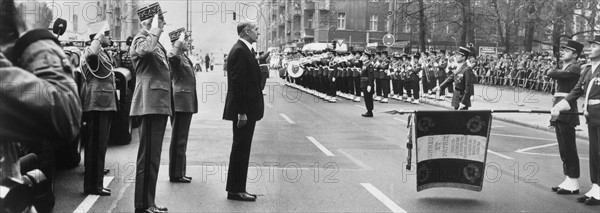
151	103
99	104
588	86
367	81
185	104
462	80
564	125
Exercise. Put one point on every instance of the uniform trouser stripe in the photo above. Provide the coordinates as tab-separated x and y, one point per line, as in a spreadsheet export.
594	134
152	132
565	135
179	141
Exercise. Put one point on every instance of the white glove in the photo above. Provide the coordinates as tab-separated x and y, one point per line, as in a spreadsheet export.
155	29
333	79
562	105
182	37
435	89
100	33
368	88
461	106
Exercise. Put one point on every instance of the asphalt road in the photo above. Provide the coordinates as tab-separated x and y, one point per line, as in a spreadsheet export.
312	156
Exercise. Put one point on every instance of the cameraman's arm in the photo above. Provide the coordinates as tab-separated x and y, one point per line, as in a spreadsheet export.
40	99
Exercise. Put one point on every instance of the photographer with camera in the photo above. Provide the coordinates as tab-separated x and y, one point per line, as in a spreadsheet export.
40	104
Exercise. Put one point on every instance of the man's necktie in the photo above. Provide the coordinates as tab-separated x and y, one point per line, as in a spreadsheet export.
253	52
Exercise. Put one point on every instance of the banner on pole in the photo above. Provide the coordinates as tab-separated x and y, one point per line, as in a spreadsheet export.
451	148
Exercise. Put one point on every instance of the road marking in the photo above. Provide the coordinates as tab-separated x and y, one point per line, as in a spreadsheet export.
381	197
398	119
498	126
524	137
536	147
356	161
287	119
89	201
359	106
320	146
549	155
501	155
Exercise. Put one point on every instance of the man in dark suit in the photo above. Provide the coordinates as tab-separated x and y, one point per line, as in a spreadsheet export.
462	81
185	103
588	86
151	103
99	103
564	125
243	106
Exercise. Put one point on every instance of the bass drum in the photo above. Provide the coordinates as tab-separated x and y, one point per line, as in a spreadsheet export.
294	70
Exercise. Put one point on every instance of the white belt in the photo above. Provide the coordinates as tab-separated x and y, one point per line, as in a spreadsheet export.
560	94
593	102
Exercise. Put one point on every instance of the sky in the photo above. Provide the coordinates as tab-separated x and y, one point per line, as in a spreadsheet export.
212	25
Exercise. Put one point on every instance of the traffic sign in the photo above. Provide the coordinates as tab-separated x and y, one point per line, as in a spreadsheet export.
388	40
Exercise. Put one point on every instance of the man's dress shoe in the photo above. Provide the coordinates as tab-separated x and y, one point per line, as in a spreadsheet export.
241	196
181	180
368	115
592	201
151	209
103	192
562	191
582	199
555	188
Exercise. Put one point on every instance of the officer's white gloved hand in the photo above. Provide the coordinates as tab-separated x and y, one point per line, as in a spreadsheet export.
100	34
562	105
368	88
155	29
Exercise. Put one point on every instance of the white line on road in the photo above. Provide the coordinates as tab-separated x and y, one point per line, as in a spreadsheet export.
287	119
498	126
359	106
549	155
524	137
501	155
398	119
89	201
381	197
320	146
536	147
356	161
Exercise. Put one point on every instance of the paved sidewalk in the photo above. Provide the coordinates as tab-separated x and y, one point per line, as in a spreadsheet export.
510	98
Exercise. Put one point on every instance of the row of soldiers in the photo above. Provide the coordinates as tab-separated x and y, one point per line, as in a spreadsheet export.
328	74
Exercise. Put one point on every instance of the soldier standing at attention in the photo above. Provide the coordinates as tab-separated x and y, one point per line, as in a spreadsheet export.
99	105
462	81
185	104
151	103
564	125
367	81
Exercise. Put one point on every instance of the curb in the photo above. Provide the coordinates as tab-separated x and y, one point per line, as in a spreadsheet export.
508	120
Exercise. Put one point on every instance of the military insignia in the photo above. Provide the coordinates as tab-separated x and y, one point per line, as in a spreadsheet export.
147	12
472	172
475	124
423	173
425	124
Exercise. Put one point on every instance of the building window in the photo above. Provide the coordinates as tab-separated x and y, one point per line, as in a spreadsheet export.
342	21
406	27
373	22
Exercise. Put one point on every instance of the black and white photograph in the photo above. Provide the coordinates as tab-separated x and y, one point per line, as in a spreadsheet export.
155	106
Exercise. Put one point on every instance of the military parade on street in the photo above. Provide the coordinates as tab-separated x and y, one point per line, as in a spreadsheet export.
159	106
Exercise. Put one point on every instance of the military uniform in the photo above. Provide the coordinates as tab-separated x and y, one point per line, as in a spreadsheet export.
565	124
462	81
367	79
151	103
185	104
99	101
